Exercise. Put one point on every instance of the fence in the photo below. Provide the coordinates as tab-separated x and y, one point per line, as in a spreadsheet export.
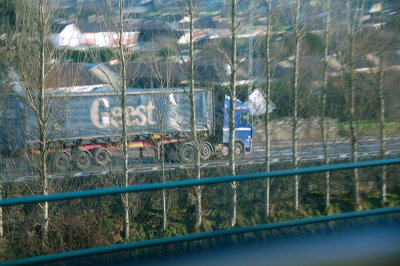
192	183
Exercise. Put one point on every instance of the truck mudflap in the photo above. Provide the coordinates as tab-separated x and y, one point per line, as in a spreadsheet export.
248	145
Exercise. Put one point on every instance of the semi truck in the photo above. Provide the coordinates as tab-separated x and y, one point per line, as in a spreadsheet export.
84	127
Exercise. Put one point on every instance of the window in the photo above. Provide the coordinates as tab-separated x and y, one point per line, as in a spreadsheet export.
245	118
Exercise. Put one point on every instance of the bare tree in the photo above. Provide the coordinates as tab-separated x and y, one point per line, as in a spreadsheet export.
232	94
298	35
43	141
323	99
193	123
352	35
163	174
382	107
119	83
194	137
7	14
267	95
33	24
164	76
125	196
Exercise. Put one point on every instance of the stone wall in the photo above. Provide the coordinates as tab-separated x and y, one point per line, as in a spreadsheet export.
308	129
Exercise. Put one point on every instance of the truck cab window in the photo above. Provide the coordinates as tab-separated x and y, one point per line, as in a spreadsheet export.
245	118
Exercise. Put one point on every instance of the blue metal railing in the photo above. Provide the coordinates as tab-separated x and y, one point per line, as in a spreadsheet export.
196	182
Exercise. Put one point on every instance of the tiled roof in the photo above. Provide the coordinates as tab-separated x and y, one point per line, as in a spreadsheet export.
67	74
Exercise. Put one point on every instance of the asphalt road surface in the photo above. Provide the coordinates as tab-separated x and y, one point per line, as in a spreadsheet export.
14	170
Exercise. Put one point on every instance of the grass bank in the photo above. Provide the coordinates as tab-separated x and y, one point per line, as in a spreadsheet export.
369	128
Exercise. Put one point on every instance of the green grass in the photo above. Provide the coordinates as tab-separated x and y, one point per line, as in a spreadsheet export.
367	128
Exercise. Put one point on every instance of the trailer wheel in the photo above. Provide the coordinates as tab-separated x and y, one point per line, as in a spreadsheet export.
224	151
82	159
205	151
170	153
186	153
238	149
61	160
101	157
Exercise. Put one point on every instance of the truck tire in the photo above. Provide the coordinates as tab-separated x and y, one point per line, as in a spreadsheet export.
238	149
102	156
82	159
224	151
186	153
171	153
205	151
61	160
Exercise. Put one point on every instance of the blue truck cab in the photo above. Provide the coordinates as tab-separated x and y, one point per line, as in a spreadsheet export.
11	121
244	132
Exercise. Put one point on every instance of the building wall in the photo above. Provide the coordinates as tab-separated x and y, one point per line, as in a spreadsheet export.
71	36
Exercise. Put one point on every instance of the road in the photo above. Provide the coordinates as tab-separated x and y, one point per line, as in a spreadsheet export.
310	152
338	150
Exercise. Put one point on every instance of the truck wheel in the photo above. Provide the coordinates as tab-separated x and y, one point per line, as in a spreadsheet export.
170	153
238	149
82	159
224	151
205	151
101	157
186	153
61	160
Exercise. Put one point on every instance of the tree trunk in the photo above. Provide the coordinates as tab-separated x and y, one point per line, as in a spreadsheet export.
251	45
352	104
164	201
125	196
232	94
382	110
195	139
43	141
324	101
295	92
163	178
267	116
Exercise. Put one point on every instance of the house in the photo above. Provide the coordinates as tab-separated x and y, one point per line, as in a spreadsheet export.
150	31
72	75
62	76
65	34
158	74
311	70
153	74
86	34
216	71
197	36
